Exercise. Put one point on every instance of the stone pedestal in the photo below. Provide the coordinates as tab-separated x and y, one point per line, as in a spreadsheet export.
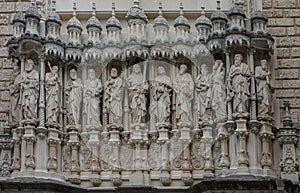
53	142
243	157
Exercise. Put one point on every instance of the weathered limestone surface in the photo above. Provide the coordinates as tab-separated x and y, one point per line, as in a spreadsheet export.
284	25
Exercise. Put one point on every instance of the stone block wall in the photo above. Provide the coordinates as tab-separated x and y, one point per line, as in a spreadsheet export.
284	25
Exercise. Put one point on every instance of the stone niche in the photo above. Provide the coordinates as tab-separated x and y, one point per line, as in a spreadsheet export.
145	102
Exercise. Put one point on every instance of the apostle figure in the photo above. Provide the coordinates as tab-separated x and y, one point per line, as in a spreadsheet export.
184	88
91	100
52	95
30	90
74	98
239	85
203	86
263	88
160	107
138	88
114	97
14	90
218	91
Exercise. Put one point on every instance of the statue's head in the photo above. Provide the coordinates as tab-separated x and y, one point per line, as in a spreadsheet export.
161	70
73	74
137	68
91	73
238	59
114	73
54	69
182	68
29	65
263	63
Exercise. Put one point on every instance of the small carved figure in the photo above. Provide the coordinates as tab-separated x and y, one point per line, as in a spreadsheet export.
263	88
74	98
30	90
15	89
184	88
91	101
114	97
239	85
218	91
138	88
161	94
52	95
203	86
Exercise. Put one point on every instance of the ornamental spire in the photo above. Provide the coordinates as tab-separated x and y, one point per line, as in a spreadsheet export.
53	5
113	9
202	10
181	9
94	9
136	3
74	9
160	8
218	5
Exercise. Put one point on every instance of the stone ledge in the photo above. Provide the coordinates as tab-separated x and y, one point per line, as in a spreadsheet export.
240	183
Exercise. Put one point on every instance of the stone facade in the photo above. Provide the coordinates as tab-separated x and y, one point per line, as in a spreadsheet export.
86	135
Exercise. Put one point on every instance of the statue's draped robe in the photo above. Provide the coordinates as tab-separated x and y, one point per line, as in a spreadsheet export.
160	107
92	102
184	88
113	99
239	76
74	98
30	87
52	98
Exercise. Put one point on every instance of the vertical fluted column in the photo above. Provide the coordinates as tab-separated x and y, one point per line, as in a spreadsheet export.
229	98
242	133
53	142
253	116
186	166
165	162
41	143
223	136
16	141
74	165
41	128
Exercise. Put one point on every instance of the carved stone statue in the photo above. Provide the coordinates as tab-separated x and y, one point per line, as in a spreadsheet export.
30	90
239	85
218	91
203	86
263	89
74	98
14	90
138	88
160	107
52	95
184	88
114	97
91	100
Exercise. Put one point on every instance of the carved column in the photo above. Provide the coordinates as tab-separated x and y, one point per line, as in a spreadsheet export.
41	143
186	166
228	98
115	156
29	138
163	139
223	136
266	135
242	133
74	144
53	142
208	141
16	141
94	162
253	116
